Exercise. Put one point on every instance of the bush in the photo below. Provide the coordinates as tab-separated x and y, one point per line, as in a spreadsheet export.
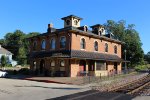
24	71
9	65
140	67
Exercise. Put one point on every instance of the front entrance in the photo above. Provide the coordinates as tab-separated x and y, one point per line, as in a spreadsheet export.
42	66
82	65
116	67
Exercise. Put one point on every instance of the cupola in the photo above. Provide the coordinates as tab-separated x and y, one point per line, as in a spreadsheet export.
71	20
98	29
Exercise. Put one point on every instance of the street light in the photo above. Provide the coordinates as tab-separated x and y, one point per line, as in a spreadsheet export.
125	61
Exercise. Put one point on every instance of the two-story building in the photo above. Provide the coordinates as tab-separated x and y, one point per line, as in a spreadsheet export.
75	50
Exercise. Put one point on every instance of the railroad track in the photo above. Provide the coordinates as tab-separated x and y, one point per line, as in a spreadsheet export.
134	88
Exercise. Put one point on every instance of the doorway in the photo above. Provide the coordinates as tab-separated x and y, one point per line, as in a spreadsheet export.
82	65
42	66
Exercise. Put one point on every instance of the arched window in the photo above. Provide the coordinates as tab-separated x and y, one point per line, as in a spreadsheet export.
115	49
34	45
62	63
34	65
82	43
62	42
96	46
52	44
68	22
43	45
106	47
52	63
76	22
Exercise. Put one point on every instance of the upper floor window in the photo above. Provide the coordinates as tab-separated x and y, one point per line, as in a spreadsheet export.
106	47
34	45
96	46
52	44
43	45
82	43
115	49
63	42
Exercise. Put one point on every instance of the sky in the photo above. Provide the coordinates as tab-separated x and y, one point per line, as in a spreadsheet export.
34	15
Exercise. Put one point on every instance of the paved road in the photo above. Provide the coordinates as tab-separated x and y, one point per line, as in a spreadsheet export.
13	89
94	95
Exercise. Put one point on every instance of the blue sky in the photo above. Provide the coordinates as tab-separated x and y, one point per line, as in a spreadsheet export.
34	15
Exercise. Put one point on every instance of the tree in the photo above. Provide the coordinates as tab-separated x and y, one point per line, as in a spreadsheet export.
3	61
17	43
147	57
131	39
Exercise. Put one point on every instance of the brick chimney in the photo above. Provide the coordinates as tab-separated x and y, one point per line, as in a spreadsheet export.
50	26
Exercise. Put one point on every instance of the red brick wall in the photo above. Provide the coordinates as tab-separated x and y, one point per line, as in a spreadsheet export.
48	38
75	45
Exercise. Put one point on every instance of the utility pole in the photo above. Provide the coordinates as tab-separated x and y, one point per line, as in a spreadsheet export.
125	61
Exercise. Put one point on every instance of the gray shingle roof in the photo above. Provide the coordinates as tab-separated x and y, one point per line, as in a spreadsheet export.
77	54
4	51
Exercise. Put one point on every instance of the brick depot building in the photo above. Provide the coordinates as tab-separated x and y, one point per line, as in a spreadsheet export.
75	51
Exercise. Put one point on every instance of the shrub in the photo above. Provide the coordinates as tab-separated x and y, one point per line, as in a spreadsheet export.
24	71
140	67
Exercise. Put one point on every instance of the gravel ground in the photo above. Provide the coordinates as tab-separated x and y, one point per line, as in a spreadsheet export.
108	85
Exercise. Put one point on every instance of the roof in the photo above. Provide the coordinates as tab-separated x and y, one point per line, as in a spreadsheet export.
97	25
4	51
79	31
72	16
95	56
77	54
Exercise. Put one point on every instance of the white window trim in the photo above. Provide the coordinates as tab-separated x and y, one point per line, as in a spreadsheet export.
41	45
114	49
94	46
104	48
50	44
80	43
60	41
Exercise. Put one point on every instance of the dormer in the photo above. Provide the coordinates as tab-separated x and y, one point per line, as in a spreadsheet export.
98	29
71	20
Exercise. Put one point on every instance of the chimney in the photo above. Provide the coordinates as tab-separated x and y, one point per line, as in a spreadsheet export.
49	27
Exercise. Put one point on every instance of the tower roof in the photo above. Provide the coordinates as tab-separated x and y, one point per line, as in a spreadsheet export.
97	25
71	16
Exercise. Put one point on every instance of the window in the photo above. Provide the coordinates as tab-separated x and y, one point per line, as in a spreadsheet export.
43	46
115	49
68	22
52	63
96	46
76	22
62	63
63	42
34	65
106	47
52	44
82	43
34	45
100	65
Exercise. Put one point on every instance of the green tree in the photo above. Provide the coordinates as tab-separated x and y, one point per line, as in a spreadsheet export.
131	39
147	57
3	61
17	43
